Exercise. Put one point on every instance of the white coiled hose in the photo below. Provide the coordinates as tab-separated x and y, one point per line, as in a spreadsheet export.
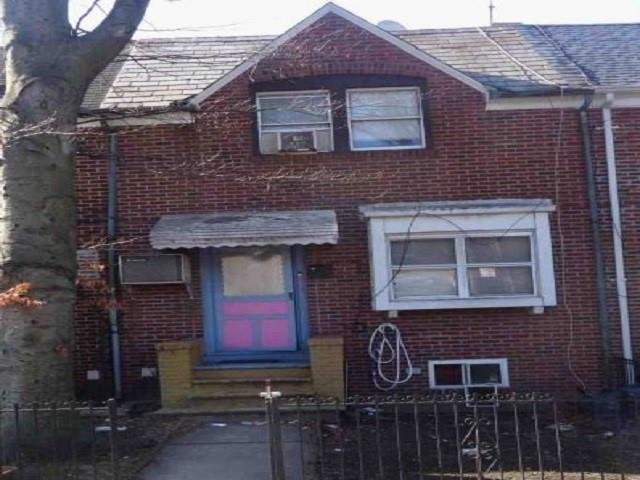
387	348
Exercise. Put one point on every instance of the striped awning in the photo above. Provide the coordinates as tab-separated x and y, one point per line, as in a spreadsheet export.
244	229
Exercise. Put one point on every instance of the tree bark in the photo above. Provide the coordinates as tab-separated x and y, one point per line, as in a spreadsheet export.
48	69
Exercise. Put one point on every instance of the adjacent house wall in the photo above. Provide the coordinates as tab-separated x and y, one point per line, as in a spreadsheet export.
471	154
627	148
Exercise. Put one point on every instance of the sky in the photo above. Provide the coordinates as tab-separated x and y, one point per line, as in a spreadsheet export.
259	17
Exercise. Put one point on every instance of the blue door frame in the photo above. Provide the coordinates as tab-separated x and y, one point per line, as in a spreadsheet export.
211	281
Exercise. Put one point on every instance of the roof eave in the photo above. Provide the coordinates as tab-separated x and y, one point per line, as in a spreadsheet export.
542	92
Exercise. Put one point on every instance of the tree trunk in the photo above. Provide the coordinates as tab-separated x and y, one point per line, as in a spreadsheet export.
48	69
37	243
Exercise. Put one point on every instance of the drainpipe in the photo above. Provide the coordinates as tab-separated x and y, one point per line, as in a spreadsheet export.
112	213
618	247
601	286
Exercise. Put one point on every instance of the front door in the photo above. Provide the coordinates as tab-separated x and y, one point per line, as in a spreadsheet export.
254	303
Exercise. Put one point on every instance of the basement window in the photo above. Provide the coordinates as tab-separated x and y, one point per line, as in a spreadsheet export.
385	118
466	374
477	254
295	122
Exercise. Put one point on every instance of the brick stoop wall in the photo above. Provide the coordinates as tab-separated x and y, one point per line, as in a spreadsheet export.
184	387
472	154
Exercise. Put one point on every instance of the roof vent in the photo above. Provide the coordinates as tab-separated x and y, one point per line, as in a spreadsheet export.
391	25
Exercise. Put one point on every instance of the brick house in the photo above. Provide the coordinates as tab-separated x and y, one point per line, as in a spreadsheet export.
268	202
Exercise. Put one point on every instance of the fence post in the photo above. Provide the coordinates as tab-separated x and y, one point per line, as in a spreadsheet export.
272	411
113	436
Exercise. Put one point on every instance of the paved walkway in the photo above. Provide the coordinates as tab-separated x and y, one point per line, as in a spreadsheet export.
225	449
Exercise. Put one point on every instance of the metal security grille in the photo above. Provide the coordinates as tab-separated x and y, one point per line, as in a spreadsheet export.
451	436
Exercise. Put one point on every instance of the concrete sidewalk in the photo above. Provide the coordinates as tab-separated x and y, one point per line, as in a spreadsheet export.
226	449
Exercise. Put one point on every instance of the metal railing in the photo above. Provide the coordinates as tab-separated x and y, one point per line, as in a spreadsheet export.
54	441
450	436
628	372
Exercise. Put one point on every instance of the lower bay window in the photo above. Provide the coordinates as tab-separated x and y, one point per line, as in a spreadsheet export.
462	266
474	254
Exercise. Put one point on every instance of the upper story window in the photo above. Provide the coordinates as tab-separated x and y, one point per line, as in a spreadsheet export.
385	118
295	122
476	254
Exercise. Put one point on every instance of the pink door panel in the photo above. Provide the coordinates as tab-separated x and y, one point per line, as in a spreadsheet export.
274	307
276	334
237	334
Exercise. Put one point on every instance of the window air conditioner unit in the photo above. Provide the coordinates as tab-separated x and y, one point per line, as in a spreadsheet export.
303	141
154	269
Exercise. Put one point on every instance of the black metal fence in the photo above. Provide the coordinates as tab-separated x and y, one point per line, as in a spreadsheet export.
627	372
450	436
60	441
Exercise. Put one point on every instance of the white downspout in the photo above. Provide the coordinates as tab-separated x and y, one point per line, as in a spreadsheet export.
618	248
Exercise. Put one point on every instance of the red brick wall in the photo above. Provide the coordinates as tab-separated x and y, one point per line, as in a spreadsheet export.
473	154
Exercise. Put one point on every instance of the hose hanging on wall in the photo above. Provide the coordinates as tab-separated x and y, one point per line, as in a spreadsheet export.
387	348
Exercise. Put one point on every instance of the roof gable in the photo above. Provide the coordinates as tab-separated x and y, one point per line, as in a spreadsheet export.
331	8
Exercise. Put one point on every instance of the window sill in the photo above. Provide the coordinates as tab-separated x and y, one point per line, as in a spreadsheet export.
386	149
459	303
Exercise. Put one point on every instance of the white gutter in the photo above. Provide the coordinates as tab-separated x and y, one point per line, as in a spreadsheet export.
618	248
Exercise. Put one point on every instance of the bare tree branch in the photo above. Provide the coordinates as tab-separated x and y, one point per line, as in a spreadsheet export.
101	45
94	5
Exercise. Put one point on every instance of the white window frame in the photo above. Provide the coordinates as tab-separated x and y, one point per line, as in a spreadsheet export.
460	220
419	117
314	127
462	265
466	376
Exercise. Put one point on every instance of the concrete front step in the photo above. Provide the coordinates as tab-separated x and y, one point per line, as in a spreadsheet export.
217	389
228	404
251	373
236	381
239	404
238	389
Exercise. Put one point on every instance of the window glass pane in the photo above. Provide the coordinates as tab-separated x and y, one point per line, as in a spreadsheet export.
256	273
448	374
386	133
498	249
421	283
393	103
294	110
437	251
485	373
500	281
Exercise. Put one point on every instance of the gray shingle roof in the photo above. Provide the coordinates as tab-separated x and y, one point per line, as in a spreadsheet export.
609	54
509	59
157	72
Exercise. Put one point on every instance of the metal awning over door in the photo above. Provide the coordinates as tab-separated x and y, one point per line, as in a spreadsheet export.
245	229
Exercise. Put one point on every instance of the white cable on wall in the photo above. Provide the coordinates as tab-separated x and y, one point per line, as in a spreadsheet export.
386	348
